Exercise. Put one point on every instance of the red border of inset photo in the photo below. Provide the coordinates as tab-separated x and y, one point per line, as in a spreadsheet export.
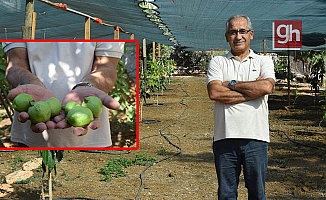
135	146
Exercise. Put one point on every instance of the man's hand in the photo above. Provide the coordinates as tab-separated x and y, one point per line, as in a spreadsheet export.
78	95
38	93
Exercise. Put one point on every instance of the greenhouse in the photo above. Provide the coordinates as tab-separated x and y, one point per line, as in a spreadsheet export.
198	25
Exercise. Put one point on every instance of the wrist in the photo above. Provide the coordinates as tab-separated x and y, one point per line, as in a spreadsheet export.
82	84
232	84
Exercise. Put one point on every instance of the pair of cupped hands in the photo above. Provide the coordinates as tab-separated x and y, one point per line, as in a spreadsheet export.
40	93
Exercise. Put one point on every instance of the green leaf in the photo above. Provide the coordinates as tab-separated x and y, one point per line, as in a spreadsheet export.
2	76
43	167
51	161
44	154
117	98
3	68
59	155
47	160
114	112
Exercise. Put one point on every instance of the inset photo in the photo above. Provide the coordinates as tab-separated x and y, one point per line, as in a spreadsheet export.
69	94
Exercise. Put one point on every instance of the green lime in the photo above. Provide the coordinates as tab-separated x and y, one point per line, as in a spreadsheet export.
69	106
22	102
80	116
55	106
94	104
39	111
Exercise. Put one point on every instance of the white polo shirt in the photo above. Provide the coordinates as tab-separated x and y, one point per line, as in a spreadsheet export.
60	66
248	120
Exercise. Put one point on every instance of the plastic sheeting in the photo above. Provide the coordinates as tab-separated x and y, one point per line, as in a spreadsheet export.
194	24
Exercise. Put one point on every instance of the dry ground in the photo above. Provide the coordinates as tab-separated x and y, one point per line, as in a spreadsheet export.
181	138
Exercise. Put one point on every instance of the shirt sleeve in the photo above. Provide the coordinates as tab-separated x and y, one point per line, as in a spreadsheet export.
267	67
214	71
10	45
110	49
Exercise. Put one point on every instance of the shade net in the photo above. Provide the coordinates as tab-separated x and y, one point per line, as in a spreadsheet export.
193	24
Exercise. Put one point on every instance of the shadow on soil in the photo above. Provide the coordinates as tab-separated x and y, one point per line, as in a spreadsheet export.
21	193
300	159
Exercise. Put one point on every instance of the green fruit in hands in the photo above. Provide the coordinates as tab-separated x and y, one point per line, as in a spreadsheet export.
55	106
69	106
39	111
94	104
79	116
22	102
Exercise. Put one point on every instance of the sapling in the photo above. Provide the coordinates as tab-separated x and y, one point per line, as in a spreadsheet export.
49	158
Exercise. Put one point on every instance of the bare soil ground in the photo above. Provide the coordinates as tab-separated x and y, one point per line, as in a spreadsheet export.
177	127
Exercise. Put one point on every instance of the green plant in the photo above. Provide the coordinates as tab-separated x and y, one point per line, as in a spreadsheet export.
3	65
4	86
17	160
144	159
162	151
122	93
193	60
115	166
295	94
323	105
49	158
280	67
155	77
2	73
29	180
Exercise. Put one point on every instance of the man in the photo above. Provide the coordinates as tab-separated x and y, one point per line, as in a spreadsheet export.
69	71
239	83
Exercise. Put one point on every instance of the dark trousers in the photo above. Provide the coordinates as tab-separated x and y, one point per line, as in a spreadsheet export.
230	155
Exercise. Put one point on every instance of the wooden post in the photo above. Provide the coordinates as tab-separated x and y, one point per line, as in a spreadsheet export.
116	33
143	68
50	185
289	80
264	45
159	50
153	51
87	28
144	54
33	25
27	28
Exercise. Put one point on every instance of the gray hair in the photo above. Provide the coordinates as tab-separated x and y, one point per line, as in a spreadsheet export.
236	17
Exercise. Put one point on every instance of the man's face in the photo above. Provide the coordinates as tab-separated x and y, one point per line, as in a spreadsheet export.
239	36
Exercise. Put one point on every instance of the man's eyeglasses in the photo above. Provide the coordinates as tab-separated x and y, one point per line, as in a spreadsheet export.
241	32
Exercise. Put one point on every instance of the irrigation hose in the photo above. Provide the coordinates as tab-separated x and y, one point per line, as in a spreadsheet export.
180	149
293	141
168	140
115	152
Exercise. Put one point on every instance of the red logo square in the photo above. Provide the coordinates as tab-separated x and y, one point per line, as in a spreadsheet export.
287	34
